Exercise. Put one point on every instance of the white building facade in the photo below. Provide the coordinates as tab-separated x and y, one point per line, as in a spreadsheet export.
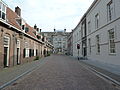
58	39
102	32
77	40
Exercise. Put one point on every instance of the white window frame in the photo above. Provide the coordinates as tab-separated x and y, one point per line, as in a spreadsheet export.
18	43
110	10
35	49
18	46
98	44
26	49
89	45
89	27
8	46
26	52
97	18
83	30
112	38
1	10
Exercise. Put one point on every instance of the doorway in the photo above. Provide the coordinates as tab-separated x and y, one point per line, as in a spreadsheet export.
84	51
18	52
18	61
5	56
6	51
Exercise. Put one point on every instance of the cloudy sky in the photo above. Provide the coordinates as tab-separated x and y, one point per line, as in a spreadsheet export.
48	14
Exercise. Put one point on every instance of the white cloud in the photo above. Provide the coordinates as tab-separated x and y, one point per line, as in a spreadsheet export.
49	13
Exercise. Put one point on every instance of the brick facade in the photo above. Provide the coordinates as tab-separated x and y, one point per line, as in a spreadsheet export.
18	45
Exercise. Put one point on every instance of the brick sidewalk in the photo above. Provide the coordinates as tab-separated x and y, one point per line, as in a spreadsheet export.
103	70
8	75
111	71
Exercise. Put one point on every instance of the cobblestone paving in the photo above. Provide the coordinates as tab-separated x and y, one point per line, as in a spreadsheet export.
61	73
8	74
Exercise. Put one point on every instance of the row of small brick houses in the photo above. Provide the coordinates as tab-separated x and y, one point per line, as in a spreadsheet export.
98	33
19	42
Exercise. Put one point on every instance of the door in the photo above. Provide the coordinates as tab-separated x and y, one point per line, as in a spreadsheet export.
5	57
85	52
18	60
6	51
18	52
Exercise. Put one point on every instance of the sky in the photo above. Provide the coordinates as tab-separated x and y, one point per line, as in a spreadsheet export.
50	14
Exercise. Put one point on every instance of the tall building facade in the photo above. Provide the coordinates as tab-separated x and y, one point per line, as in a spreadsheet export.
59	40
98	32
70	44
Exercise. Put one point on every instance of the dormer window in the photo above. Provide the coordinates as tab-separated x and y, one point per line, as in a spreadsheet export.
23	27
2	11
26	29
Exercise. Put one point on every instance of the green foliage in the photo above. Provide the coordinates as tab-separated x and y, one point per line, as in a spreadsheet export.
36	58
48	54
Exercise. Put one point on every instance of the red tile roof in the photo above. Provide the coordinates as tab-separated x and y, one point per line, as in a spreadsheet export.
11	19
31	30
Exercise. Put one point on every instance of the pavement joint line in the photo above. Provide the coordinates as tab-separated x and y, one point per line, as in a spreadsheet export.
102	75
18	77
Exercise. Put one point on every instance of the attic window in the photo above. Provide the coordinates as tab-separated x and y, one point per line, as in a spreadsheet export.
26	29
23	27
2	11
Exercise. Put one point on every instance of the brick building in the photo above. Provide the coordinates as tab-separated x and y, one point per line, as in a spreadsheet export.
19	42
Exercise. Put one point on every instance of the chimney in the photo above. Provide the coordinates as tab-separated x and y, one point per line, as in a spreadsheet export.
35	27
64	30
40	30
18	11
54	29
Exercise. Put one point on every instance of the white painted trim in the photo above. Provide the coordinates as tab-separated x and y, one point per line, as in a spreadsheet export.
109	42
18	47
8	46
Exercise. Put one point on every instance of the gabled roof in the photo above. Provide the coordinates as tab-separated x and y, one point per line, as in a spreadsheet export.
12	18
31	30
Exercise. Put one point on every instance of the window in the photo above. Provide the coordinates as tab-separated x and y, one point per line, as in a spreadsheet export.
110	10
23	27
6	41
96	21
59	39
27	52
55	39
98	43
64	39
36	52
77	36
111	41
18	43
24	53
89	27
30	52
2	11
83	30
0	5
89	42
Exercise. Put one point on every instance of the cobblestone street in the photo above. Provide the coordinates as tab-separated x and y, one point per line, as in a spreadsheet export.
61	72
